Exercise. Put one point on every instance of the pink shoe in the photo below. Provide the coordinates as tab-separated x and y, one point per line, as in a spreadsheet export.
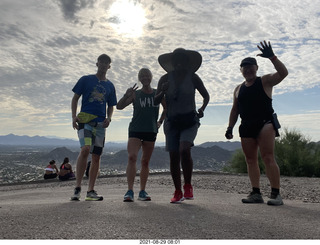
178	197
188	191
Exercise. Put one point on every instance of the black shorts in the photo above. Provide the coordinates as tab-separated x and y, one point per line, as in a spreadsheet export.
143	136
251	129
50	176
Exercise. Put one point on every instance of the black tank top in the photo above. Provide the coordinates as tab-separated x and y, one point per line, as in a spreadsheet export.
253	102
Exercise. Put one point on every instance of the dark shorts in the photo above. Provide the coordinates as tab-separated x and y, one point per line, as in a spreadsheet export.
143	136
251	129
50	176
67	176
174	135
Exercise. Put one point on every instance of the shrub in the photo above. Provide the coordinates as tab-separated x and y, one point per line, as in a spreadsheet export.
294	153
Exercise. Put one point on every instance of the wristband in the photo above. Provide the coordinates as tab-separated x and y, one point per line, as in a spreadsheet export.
273	58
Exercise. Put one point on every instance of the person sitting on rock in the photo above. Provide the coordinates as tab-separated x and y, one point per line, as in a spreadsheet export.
51	171
66	172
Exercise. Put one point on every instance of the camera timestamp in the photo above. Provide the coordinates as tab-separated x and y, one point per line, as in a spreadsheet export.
159	241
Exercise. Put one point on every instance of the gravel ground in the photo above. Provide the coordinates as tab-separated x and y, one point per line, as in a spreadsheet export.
292	188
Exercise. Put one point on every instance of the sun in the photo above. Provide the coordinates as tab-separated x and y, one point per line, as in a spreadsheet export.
127	17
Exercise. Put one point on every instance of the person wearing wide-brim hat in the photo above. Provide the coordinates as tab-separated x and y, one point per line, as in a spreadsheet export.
178	87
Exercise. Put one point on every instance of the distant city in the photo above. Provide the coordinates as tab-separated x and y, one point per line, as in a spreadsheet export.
23	158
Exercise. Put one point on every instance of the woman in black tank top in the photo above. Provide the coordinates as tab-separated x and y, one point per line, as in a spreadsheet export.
252	100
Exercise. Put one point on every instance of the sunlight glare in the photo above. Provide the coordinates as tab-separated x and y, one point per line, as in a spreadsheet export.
127	17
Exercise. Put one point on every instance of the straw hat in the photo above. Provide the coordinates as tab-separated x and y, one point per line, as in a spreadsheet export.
195	59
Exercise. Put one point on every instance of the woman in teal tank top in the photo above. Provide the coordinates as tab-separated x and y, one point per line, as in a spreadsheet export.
143	130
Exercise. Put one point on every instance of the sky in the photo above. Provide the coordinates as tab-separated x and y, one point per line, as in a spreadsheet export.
47	45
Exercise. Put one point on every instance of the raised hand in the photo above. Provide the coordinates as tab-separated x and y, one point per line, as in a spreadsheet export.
266	50
131	90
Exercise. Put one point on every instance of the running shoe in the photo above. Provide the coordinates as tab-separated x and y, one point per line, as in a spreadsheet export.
253	197
275	201
178	197
143	196
188	191
128	197
93	196
76	194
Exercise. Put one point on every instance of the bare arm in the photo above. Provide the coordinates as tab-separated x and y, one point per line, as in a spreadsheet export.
164	112
74	106
204	93
57	170
234	113
69	165
127	98
107	121
161	89
273	79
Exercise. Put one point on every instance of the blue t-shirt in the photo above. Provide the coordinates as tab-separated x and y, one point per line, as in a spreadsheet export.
95	95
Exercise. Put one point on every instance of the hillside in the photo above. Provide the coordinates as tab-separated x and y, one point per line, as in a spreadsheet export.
228	145
211	158
29	164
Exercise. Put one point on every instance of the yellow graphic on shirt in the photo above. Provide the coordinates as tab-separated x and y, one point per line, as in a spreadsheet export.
98	94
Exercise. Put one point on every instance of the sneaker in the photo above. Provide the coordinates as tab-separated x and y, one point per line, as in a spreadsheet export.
188	191
93	196
143	196
253	198
76	195
275	201
128	197
178	197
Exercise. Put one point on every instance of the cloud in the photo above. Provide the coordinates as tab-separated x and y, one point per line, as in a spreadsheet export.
47	47
306	123
69	8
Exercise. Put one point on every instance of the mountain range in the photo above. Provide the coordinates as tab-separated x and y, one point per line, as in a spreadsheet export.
210	158
42	141
28	156
45	142
12	139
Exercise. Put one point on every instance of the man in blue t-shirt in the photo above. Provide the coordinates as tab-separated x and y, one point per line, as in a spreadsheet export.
98	101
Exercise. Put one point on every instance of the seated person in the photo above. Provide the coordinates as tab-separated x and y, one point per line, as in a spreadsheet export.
51	171
88	169
66	172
